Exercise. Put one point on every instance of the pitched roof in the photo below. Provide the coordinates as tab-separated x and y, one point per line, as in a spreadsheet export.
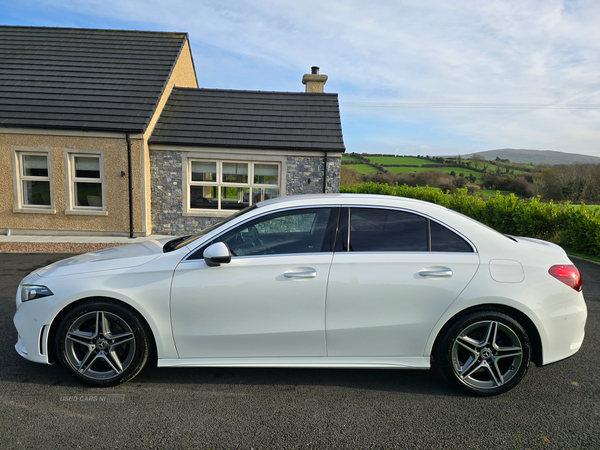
250	119
88	79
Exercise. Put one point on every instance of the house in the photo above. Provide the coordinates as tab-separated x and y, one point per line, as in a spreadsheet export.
106	132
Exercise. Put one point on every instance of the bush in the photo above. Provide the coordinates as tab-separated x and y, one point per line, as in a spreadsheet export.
577	228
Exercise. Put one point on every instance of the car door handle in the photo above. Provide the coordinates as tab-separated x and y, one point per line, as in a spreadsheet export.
309	273
440	273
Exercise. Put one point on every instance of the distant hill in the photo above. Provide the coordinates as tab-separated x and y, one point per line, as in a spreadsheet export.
537	156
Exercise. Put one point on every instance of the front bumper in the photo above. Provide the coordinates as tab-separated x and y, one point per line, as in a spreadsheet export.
32	321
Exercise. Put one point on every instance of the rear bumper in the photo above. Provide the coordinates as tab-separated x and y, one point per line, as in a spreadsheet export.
563	329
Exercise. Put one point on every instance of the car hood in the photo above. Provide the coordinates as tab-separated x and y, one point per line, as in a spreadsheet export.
120	257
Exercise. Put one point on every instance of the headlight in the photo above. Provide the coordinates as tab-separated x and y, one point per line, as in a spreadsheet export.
30	292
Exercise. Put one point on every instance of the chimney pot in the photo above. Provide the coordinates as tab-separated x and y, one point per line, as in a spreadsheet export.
314	70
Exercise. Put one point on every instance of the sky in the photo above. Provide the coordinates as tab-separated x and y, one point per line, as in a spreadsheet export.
414	77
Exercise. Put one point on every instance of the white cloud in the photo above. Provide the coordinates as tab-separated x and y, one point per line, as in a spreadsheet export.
526	52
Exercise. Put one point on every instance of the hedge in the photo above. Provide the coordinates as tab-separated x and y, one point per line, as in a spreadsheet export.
576	228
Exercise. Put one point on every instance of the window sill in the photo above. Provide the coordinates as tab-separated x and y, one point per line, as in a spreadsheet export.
210	213
35	210
83	212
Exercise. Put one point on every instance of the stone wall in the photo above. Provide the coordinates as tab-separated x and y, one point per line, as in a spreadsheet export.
304	176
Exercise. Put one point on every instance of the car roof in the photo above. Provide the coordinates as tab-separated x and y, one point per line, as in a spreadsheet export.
307	199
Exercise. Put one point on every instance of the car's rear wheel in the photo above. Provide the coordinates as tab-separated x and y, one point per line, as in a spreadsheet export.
485	353
102	343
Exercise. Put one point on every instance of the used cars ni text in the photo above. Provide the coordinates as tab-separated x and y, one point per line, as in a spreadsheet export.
335	281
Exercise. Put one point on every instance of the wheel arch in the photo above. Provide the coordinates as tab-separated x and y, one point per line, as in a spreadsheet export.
519	316
50	347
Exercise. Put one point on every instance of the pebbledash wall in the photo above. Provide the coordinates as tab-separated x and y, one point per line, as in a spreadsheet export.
300	175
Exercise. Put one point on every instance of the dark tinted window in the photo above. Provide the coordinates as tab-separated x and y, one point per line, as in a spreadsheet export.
444	240
380	230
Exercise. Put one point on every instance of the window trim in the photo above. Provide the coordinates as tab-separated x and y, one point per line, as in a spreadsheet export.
18	178
71	179
218	212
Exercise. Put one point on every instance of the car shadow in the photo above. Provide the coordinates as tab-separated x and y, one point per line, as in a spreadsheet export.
426	382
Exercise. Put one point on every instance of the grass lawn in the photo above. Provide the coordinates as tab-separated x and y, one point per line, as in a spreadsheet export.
594	207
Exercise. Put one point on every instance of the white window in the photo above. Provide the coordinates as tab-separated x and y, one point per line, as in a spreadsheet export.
230	185
86	183
33	181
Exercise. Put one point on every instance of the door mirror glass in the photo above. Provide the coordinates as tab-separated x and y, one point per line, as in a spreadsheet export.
217	254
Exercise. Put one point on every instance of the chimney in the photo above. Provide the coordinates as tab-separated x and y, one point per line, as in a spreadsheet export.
313	81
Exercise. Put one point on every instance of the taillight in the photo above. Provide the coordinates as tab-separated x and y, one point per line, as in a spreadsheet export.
568	274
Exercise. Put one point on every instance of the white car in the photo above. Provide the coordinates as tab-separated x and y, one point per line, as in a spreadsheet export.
337	281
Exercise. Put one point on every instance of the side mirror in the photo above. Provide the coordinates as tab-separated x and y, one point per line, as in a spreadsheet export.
217	254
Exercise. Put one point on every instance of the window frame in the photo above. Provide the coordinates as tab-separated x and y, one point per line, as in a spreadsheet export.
19	177
72	179
220	184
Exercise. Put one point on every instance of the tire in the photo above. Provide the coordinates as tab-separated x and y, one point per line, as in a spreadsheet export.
102	343
484	353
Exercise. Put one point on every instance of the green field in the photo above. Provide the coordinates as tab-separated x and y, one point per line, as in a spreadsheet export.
491	192
456	170
363	168
400	160
349	158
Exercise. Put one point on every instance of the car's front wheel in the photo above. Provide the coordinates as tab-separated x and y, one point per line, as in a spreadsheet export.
102	343
485	353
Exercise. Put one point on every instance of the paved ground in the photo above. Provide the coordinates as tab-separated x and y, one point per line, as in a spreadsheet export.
555	407
64	244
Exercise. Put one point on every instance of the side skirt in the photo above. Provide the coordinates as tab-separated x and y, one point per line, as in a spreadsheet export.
422	363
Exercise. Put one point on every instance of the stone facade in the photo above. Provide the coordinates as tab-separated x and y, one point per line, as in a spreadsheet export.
167	183
304	176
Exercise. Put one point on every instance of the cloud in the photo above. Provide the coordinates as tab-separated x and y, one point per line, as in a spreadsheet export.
511	58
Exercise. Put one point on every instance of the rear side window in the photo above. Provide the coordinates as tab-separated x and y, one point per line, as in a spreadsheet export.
388	230
445	240
377	230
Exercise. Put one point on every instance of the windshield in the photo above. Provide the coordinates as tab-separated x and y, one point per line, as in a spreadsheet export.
187	239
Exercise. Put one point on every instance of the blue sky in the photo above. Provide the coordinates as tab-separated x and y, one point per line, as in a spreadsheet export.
413	76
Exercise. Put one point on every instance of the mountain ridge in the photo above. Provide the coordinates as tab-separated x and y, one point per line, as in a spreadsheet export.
524	156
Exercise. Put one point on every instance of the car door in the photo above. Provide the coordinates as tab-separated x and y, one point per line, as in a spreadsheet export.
269	301
393	275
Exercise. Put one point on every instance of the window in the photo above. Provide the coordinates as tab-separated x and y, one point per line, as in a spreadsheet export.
287	232
86	183
387	230
444	240
231	185
378	230
33	181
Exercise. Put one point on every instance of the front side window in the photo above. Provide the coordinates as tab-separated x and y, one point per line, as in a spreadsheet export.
231	185
287	232
86	173
35	190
